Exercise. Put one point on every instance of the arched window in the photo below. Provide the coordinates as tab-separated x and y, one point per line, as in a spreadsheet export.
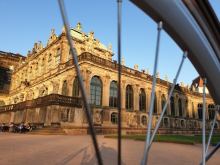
144	120
75	92
172	106
113	97
155	104
114	118
180	108
64	88
96	91
64	115
67	115
163	102
193	111
200	111
142	100
211	111
129	97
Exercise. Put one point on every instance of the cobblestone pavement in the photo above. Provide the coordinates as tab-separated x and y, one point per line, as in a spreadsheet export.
22	149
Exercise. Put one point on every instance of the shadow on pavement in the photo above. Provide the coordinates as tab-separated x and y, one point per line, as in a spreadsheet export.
109	156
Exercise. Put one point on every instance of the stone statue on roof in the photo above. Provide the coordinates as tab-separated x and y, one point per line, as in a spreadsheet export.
52	36
78	27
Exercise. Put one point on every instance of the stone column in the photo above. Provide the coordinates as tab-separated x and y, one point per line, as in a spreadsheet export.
168	108
12	116
185	108
86	74
123	107
123	94
70	87
176	106
64	49
159	107
196	110
106	90
136	97
207	112
190	109
148	97
48	117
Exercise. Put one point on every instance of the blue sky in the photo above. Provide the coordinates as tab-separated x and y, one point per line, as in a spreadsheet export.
25	22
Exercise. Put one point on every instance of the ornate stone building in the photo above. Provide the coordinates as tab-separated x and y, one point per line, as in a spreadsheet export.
8	61
44	90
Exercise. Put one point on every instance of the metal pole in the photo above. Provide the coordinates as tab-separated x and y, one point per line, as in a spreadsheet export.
147	143
119	4
168	99
211	132
212	152
87	107
203	122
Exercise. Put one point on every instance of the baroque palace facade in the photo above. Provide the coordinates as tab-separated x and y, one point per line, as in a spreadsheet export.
43	89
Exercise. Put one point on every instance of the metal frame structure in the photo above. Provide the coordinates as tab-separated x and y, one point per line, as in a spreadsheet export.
184	29
119	5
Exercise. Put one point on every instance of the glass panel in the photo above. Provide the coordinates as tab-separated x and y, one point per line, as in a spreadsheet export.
96	91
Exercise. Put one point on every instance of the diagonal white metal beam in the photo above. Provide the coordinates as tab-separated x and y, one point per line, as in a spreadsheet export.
147	143
83	91
168	99
211	133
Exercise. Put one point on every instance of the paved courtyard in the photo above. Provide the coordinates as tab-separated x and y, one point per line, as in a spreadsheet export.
17	149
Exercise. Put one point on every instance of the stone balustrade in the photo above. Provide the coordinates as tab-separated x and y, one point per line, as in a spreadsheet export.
52	99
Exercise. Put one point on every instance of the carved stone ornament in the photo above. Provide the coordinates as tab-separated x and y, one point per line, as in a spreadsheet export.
52	37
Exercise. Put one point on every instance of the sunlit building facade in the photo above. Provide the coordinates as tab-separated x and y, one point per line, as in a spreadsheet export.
43	90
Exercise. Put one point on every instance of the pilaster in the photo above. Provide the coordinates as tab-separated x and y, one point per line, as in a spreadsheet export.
106	89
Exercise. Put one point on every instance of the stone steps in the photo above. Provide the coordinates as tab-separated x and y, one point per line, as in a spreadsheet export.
47	131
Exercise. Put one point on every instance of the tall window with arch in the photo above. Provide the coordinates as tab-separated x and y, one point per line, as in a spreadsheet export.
75	91
172	106
64	88
58	56
163	102
200	111
211	111
113	97
142	100
96	91
180	107
129	98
